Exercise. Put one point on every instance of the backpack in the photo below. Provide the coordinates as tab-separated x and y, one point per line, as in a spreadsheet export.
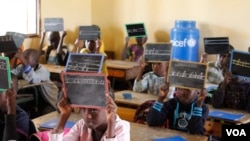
142	111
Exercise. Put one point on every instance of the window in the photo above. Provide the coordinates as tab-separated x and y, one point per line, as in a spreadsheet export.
20	16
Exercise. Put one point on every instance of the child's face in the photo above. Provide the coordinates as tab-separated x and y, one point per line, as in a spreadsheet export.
31	58
157	68
54	39
94	118
186	96
91	45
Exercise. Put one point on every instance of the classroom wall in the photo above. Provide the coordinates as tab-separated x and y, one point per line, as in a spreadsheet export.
213	18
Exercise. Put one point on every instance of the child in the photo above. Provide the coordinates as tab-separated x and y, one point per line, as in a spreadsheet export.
34	73
14	121
186	112
56	53
135	51
151	81
96	125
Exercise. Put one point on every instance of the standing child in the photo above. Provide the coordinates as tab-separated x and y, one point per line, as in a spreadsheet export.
186	112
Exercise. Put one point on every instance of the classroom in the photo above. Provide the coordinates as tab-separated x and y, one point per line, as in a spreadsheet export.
223	20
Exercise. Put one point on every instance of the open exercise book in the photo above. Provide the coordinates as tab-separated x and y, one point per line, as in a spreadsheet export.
51	124
226	115
173	138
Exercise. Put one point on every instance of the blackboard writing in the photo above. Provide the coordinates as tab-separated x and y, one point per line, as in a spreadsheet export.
240	63
5	73
187	74
216	45
17	37
136	30
7	44
53	24
88	33
84	63
157	52
85	89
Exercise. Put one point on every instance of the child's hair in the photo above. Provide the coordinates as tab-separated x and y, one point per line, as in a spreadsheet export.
32	52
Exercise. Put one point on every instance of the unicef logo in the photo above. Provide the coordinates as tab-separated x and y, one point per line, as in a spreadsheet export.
191	42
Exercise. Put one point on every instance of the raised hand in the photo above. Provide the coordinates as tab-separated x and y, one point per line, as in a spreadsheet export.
202	94
64	106
163	91
111	116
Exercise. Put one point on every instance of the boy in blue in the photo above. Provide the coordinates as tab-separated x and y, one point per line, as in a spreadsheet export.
186	112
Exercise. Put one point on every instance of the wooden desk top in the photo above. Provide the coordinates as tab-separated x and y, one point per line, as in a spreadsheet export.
120	64
137	98
54	68
243	120
138	132
25	84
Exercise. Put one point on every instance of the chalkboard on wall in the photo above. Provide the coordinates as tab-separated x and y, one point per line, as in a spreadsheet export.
84	63
89	33
156	52
5	73
85	89
17	37
187	74
136	30
7	44
53	24
216	45
240	64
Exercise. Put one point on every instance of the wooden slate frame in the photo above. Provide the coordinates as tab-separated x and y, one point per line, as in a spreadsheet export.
136	30
84	63
86	90
216	45
157	52
53	24
5	79
240	64
88	33
186	74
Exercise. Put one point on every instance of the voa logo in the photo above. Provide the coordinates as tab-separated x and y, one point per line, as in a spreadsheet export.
191	42
236	132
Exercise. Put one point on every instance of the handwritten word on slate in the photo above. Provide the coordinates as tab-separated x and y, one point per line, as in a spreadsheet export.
88	33
85	89
17	37
53	24
187	74
7	44
157	52
84	63
5	73
216	45
136	30
240	63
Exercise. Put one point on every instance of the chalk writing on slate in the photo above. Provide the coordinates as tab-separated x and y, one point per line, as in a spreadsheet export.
240	63
187	74
85	89
84	63
136	30
5	73
17	37
7	44
88	33
216	45
53	24
157	52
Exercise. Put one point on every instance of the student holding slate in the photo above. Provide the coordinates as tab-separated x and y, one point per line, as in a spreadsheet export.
186	112
95	125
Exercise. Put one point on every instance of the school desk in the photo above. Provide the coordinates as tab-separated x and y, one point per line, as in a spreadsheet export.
138	132
54	68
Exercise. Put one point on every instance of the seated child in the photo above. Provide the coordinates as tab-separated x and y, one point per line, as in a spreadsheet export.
186	112
34	73
95	125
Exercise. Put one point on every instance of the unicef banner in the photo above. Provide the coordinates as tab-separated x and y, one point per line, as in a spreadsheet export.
185	41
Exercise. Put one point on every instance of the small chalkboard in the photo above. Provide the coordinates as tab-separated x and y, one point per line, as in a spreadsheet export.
85	89
157	52
240	64
187	74
84	63
5	73
17	37
136	30
89	33
216	45
7	44
53	24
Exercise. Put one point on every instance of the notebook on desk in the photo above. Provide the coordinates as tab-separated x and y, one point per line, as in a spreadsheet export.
225	115
51	124
173	138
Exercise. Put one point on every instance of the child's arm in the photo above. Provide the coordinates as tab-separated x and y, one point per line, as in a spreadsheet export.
60	49
125	49
41	43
